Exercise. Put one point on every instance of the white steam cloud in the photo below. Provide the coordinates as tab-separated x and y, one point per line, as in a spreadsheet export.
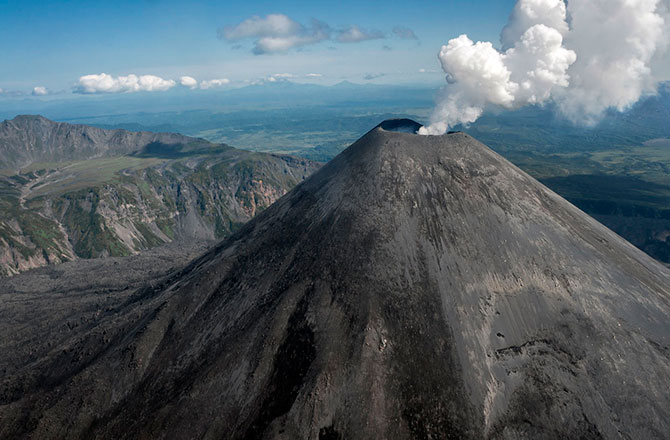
104	83
527	14
616	41
586	57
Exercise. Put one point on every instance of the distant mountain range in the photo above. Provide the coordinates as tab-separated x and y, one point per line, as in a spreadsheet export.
73	191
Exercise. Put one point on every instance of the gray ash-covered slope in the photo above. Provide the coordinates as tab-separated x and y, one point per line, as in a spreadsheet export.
414	287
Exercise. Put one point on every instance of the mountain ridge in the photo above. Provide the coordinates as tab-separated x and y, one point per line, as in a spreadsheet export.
84	192
33	138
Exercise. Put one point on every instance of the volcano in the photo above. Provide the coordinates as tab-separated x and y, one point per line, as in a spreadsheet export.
414	287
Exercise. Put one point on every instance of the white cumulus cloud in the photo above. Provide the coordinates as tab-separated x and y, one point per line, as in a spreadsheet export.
188	81
278	77
272	25
104	83
40	91
276	33
213	83
585	55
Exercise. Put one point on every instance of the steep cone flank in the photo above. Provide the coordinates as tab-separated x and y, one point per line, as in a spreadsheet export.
414	287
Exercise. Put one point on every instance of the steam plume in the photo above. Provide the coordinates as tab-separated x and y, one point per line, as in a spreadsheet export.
586	56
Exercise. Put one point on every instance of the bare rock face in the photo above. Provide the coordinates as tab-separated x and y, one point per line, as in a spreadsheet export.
414	287
92	193
32	138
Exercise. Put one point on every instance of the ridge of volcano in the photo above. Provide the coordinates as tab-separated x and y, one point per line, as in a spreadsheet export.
413	287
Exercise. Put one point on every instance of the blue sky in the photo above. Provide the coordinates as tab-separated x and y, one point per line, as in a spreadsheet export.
53	44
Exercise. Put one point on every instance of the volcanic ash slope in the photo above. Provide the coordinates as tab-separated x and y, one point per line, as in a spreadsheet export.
414	287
